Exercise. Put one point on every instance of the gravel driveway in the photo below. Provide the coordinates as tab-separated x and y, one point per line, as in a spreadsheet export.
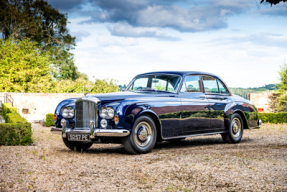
258	163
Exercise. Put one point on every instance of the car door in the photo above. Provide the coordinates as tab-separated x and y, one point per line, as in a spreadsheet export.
194	107
218	97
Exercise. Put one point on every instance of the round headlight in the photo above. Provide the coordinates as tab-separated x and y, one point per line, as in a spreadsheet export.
67	112
111	113
103	112
107	112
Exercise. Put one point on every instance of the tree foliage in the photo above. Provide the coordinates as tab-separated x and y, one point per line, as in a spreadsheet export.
43	24
282	89
23	68
273	1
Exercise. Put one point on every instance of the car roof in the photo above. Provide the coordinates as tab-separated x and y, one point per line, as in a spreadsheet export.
181	73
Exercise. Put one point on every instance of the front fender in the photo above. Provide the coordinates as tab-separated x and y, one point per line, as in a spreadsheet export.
131	113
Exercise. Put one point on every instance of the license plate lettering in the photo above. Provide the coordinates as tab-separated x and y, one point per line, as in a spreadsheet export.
79	137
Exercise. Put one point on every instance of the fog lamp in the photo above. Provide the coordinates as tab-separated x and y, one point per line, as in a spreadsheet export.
104	123
63	122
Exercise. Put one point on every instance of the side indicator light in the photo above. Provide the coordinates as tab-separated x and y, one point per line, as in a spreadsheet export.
55	117
116	119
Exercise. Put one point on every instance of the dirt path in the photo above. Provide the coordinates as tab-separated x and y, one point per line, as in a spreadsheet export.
258	163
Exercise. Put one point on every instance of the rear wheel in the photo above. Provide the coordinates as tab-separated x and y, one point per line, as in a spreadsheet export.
142	138
77	146
235	130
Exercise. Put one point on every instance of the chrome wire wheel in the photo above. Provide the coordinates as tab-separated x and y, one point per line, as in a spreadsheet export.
143	134
236	127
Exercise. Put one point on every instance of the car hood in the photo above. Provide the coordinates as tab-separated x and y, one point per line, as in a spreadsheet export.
119	96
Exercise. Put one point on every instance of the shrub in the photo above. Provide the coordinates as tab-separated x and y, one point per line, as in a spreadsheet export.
49	120
7	108
15	134
273	117
16	130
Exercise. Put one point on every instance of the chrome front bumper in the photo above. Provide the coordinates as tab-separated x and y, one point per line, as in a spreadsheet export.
93	134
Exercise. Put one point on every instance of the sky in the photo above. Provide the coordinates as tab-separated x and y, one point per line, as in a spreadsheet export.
242	41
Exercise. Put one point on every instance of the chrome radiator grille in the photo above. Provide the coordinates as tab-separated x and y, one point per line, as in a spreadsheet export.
85	112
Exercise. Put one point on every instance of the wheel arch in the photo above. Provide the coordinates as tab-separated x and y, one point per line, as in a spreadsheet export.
155	119
242	117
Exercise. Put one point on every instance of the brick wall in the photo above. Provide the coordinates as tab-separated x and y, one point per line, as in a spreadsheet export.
39	104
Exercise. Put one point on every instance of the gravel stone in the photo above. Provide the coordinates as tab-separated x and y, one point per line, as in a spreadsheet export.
257	163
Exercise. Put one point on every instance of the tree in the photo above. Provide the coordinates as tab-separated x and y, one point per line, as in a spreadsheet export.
23	68
41	23
273	1
282	89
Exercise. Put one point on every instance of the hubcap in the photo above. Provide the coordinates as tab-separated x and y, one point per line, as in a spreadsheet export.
142	134
236	127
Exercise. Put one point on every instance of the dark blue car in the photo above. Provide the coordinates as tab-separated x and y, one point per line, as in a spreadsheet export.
156	107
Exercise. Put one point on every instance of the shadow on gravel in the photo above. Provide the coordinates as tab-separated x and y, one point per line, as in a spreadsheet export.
187	143
194	142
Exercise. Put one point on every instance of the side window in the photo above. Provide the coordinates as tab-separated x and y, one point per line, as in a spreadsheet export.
210	84
222	87
139	84
192	84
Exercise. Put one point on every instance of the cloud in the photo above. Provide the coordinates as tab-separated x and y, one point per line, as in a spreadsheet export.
80	34
262	39
199	17
123	29
106	40
67	5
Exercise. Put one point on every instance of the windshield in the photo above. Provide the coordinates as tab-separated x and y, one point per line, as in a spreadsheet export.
155	83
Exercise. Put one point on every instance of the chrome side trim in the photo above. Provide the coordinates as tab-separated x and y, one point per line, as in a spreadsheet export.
56	130
201	134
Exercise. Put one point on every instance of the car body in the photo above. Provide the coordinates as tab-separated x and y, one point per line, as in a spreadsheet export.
155	107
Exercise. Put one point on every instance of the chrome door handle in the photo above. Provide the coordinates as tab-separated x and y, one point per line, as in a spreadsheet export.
202	97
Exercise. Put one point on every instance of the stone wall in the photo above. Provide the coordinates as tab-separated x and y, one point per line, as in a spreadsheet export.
35	106
262	100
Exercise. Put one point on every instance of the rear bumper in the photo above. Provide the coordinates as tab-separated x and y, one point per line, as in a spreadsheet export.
94	133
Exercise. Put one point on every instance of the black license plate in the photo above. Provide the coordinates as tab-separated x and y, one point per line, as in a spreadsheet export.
79	137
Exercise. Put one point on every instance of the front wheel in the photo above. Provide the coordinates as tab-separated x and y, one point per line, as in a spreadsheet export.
77	146
142	138
235	130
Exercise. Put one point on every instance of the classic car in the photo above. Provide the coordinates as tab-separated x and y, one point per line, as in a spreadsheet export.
155	107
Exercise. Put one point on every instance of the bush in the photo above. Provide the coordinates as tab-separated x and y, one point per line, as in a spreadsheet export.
49	120
7	108
15	134
273	117
16	130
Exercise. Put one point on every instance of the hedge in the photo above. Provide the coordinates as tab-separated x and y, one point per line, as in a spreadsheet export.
273	117
15	134
49	120
16	130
